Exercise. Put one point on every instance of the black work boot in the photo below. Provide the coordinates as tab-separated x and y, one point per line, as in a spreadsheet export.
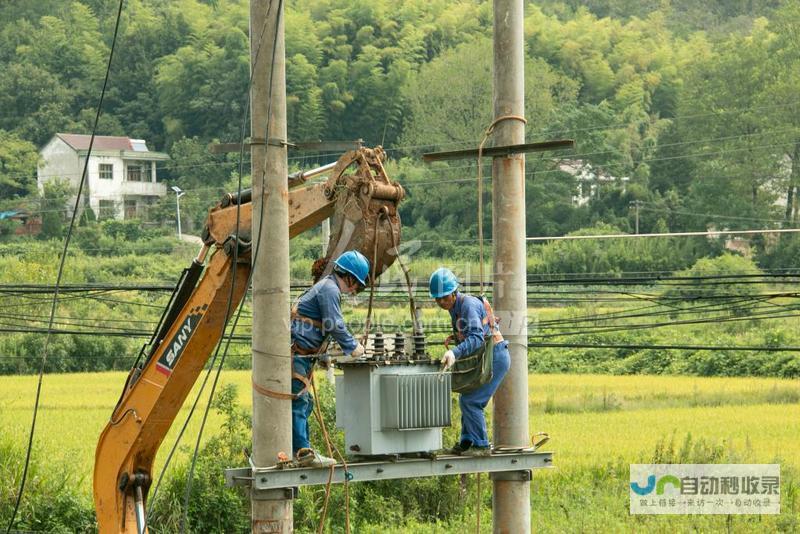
461	447
477	451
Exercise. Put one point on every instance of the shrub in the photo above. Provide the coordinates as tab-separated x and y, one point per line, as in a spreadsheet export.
52	501
213	507
615	256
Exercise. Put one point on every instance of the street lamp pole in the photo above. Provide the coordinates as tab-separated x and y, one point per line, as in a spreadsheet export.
178	194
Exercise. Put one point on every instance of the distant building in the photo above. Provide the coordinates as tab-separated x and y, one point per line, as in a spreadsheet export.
121	177
28	223
589	180
740	245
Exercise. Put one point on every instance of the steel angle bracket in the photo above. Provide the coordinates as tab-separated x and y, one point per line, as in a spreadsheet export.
500	151
510	465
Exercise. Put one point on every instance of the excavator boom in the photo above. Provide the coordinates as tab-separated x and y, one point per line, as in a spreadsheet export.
363	206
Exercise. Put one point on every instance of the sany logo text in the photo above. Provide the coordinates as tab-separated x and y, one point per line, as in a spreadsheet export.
168	360
180	339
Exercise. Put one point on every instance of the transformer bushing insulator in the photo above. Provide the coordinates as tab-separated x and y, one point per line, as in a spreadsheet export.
378	345
419	344
399	345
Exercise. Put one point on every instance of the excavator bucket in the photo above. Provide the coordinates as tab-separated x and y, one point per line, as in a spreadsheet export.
358	196
366	216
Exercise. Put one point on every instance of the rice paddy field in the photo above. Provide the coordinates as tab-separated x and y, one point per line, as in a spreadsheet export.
598	424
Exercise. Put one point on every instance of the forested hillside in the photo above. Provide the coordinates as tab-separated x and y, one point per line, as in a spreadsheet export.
688	110
685	116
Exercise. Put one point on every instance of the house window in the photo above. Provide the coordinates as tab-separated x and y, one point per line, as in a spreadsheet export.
106	171
107	210
136	172
130	209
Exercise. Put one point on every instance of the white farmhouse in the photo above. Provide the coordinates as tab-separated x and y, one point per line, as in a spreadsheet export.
121	177
589	180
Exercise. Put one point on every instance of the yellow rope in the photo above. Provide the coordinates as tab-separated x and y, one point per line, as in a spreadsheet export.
478	504
411	303
331	447
381	215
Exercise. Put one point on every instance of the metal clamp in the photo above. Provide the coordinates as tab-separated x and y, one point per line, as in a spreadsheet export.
275	141
525	475
280	494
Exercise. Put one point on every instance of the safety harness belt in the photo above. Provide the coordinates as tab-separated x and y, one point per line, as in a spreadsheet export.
488	320
296	349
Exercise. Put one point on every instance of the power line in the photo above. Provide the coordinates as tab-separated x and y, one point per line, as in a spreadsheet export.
603	127
61	271
712	215
669	311
714	233
605	329
578	155
626	346
420	284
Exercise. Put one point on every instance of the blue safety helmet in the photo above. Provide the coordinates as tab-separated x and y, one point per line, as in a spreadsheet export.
443	282
355	263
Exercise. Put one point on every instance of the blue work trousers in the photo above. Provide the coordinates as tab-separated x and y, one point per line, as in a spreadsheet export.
473	421
302	406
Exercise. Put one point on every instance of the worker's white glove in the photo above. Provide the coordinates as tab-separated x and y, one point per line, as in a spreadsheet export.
448	360
358	351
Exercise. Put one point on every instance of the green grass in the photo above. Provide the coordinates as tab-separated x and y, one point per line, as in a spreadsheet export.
557	394
589	417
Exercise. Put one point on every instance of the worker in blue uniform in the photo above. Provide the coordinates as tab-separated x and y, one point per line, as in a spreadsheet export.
471	319
317	316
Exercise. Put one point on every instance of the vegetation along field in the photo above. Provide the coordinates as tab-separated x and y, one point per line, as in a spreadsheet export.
598	425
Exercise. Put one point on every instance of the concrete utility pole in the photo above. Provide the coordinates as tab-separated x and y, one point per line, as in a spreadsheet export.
178	194
636	204
326	236
511	498
272	424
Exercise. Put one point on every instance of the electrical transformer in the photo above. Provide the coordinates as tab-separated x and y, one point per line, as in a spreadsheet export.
392	407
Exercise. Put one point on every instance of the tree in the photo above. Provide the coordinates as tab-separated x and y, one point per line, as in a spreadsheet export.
33	102
148	31
735	145
202	175
437	118
18	160
202	87
54	208
304	113
780	100
696	291
71	47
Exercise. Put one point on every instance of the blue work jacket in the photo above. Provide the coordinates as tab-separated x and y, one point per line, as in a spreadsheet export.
469	317
322	303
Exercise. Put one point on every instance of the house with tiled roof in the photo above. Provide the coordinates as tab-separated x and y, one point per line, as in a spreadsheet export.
590	180
121	181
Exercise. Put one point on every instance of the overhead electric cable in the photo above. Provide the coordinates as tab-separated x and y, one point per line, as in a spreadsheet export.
714	233
61	272
634	346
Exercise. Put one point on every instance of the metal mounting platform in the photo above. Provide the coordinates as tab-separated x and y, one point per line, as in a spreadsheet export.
270	478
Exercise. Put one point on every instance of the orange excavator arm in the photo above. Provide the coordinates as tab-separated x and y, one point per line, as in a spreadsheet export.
363	206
